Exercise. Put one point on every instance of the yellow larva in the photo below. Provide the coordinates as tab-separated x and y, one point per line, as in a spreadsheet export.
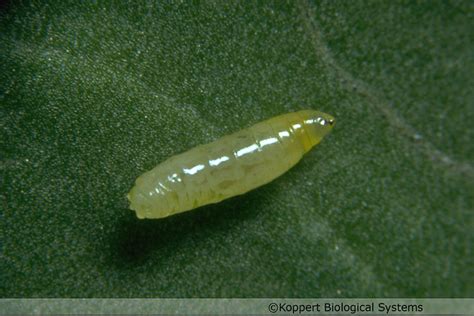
229	166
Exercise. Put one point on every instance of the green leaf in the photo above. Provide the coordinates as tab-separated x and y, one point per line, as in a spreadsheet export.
93	94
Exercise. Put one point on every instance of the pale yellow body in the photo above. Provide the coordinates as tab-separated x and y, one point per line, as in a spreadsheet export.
229	166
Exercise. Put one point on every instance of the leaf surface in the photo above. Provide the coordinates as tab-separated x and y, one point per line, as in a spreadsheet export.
94	94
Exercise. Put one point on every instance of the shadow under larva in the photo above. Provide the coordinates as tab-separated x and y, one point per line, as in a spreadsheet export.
135	242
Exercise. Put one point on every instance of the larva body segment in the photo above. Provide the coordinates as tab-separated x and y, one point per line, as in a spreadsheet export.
229	166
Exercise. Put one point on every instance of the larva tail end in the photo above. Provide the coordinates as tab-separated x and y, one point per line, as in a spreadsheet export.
131	196
139	215
142	208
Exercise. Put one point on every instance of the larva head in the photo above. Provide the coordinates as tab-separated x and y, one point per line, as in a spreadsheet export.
316	124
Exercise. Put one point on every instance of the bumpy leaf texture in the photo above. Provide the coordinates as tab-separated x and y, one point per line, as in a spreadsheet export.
93	94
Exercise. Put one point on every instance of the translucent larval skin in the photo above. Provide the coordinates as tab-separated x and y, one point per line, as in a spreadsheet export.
229	166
